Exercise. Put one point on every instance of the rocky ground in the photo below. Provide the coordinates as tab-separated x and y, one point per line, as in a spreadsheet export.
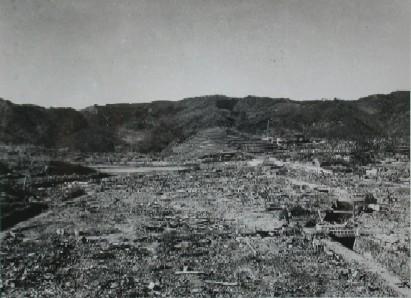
165	235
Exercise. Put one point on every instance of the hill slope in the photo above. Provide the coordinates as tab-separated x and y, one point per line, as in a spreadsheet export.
152	126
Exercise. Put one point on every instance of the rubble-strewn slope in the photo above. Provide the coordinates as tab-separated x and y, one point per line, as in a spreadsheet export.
152	126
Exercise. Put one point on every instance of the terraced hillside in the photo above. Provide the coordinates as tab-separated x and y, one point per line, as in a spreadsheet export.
149	127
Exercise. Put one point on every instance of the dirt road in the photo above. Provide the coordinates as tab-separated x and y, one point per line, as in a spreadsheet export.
369	265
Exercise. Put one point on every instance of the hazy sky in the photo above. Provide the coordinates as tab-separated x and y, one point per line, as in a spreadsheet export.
81	52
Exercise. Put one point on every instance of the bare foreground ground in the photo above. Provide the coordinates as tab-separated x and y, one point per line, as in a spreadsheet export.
179	235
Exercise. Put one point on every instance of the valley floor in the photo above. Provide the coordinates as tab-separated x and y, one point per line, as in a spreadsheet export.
191	233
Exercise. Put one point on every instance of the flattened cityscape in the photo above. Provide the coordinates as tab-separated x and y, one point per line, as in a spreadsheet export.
221	214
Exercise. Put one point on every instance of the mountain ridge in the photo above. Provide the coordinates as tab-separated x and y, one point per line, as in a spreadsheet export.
151	127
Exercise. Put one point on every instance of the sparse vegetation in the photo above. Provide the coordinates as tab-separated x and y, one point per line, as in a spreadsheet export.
96	129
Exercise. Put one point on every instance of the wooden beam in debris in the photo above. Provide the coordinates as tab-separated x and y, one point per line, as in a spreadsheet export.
222	283
249	245
189	272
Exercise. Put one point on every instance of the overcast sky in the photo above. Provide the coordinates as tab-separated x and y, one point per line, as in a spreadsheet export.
80	52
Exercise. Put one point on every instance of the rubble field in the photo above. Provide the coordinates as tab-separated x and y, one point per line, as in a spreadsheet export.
192	233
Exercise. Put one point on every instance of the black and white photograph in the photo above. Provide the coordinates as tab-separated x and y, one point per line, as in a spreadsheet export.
205	148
